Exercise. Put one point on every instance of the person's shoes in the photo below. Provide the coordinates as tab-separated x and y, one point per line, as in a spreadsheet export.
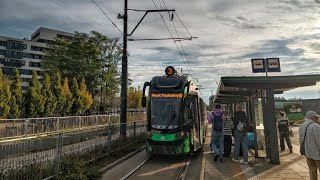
220	159
290	151
216	158
246	163
282	150
235	160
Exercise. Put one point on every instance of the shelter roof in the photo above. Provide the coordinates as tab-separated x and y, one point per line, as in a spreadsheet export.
241	87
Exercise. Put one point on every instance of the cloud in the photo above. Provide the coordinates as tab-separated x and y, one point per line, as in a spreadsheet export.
229	33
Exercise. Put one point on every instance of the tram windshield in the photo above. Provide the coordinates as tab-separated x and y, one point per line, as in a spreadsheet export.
165	113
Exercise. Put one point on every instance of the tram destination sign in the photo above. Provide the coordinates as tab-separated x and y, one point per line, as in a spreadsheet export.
164	95
261	65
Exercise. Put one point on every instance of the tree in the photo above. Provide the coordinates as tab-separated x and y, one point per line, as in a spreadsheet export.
91	56
76	106
134	98
50	102
5	96
17	97
34	99
58	93
85	96
68	97
211	104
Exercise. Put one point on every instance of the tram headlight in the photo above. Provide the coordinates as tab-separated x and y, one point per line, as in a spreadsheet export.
182	134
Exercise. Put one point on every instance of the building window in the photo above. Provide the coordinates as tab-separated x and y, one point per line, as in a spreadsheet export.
14	54
44	40
2	61
16	46
34	64
37	48
13	63
35	56
7	71
3	43
2	52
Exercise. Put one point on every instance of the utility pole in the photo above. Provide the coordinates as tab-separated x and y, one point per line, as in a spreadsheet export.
124	75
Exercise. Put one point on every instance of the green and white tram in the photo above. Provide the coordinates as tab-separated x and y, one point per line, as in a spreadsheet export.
176	114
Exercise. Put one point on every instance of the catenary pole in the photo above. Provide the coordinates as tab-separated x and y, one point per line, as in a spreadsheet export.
124	74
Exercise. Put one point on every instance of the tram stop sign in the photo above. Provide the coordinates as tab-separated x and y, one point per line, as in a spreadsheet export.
261	65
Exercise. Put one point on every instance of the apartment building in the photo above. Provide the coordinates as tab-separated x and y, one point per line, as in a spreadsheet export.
26	55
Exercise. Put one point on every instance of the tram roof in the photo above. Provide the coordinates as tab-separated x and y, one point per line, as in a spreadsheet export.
240	88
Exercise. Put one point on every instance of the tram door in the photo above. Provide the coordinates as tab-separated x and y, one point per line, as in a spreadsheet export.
196	121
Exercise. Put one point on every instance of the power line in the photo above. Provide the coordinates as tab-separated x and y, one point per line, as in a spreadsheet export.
107	16
171	37
180	41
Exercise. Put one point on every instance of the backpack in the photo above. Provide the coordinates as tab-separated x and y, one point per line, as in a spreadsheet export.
283	126
217	122
240	126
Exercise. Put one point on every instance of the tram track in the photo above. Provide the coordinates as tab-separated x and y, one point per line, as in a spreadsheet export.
175	168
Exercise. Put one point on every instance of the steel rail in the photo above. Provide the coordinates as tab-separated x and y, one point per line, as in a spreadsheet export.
184	169
136	168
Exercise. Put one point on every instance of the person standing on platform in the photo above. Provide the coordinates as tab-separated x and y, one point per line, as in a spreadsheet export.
227	132
217	118
283	127
309	134
240	121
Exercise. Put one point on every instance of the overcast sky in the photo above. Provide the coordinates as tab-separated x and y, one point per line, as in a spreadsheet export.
230	33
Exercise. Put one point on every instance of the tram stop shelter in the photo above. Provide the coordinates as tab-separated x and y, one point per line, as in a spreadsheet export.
252	89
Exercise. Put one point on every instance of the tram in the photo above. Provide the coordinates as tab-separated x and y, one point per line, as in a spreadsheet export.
176	114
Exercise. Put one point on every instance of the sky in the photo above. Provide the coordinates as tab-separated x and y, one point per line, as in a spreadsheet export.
229	34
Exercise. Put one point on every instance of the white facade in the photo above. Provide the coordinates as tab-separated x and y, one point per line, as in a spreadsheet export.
27	55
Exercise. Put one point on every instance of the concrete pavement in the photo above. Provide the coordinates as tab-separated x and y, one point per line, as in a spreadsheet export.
293	166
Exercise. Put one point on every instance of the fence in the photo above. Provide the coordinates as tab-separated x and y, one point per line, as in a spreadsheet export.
40	156
22	127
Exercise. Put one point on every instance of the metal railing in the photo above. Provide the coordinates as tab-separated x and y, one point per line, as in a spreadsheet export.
39	156
26	126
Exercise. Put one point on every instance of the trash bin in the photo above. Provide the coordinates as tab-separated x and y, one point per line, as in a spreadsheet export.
250	139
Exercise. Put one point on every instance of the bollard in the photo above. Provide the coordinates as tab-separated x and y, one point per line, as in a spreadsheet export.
96	120
109	143
26	125
58	124
79	122
58	153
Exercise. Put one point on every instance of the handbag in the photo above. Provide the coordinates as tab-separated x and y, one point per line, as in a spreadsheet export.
302	147
291	133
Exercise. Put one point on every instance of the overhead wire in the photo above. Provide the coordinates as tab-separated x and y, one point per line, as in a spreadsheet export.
172	37
107	17
183	49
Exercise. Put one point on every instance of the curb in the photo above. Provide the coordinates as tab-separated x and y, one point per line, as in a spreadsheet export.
203	164
117	162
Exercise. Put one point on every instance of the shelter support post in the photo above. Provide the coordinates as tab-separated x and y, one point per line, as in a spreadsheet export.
272	127
266	132
253	123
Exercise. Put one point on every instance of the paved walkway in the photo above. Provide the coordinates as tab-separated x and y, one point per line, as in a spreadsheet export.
293	166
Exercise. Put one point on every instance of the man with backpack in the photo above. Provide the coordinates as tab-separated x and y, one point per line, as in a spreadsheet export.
217	118
284	128
240	121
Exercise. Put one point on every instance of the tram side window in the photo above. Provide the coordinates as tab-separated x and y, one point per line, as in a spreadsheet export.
187	116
